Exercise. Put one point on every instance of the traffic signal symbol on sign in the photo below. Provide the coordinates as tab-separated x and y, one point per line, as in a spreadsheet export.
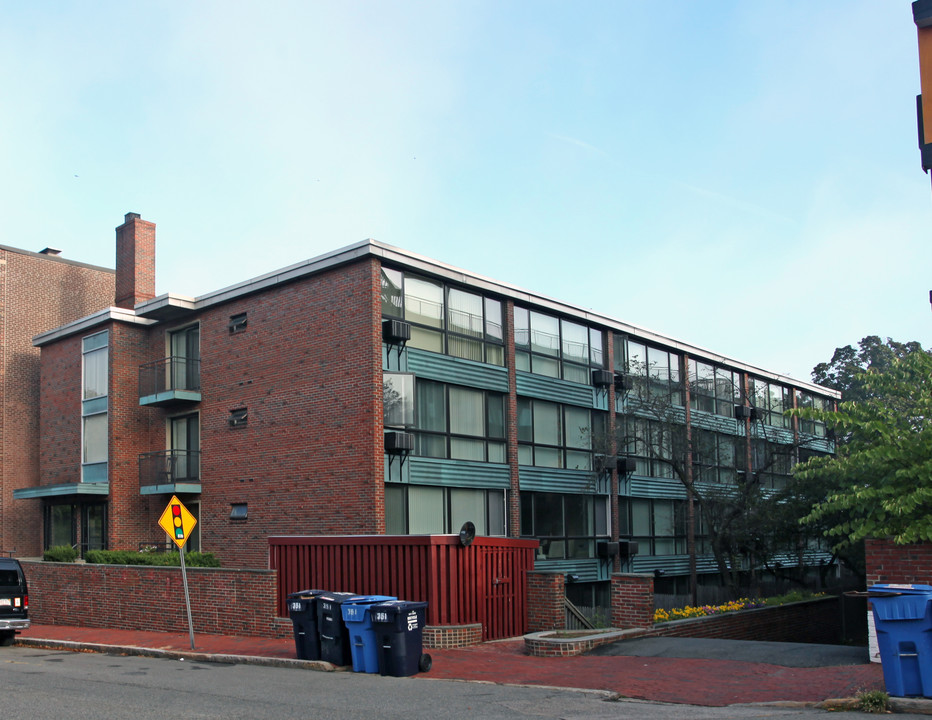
177	521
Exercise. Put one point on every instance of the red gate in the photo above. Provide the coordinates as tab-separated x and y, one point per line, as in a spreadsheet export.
484	582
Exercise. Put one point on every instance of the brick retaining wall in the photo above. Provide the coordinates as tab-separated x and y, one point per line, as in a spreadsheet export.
223	601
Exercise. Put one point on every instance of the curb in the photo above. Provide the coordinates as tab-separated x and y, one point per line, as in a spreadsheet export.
318	665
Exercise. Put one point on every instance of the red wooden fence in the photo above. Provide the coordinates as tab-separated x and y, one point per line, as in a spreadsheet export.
484	582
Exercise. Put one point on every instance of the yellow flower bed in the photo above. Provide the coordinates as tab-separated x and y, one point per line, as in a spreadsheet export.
740	604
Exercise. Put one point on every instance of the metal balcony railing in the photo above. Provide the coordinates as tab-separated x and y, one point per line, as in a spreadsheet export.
171	373
170	467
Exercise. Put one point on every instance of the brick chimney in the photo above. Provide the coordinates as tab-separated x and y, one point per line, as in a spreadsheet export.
135	261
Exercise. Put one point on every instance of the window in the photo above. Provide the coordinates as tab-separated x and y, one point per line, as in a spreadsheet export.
816	402
567	526
94	407
547	345
654	445
656	371
185	449
771	400
93	527
398	399
552	435
445	319
772	463
713	389
239	511
424	509
459	423
716	456
657	526
237	323
60	525
185	354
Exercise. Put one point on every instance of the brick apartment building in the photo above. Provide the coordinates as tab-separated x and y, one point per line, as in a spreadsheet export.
38	291
370	391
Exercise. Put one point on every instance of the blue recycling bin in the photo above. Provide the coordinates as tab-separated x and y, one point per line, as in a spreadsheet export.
335	644
399	627
358	619
903	620
302	607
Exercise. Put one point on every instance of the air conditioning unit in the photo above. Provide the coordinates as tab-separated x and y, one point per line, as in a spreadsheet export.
626	465
397	442
627	548
742	412
622	383
602	378
606	549
756	414
395	331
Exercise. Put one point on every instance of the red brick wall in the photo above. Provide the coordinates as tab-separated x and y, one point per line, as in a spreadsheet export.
309	459
234	602
37	293
887	562
545	594
135	261
632	600
813	621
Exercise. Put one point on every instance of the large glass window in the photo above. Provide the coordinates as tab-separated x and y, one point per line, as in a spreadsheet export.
60	525
655	371
658	526
716	456
424	509
771	400
772	463
560	348
444	318
713	389
567	525
652	445
185	450
185	349
459	423
398	399
808	400
553	435
94	405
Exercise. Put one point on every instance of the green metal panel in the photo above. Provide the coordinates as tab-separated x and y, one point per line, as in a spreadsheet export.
817	444
457	473
633	406
559	391
443	368
170	489
585	569
657	488
672	564
557	480
717	423
43	491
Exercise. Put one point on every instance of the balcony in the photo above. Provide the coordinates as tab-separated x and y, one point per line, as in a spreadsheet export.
170	471
170	381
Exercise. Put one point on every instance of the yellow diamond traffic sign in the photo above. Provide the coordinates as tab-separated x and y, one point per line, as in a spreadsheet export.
177	521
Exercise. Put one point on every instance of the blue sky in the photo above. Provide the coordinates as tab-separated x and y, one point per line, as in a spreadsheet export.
743	176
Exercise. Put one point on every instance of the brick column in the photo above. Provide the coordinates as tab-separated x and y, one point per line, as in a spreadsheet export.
632	600
545	595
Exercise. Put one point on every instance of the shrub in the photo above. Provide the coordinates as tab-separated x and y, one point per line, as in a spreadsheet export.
132	557
60	553
740	604
873	701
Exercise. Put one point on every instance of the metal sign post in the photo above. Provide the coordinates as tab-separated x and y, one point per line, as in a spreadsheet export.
178	522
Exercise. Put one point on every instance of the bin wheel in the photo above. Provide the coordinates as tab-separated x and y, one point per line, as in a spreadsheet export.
425	663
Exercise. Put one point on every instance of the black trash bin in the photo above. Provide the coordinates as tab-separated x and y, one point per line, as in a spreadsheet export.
335	644
399	626
302	607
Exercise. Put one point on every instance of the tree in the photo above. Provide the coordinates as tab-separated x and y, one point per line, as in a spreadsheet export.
848	367
882	474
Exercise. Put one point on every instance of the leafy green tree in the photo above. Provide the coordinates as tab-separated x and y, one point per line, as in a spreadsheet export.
848	367
881	479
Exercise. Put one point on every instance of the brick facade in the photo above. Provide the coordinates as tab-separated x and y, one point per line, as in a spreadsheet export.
38	292
232	602
545	609
632	600
887	562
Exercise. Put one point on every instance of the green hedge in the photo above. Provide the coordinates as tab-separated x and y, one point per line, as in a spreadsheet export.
131	557
60	553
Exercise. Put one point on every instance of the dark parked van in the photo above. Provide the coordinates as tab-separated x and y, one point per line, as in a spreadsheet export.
14	600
